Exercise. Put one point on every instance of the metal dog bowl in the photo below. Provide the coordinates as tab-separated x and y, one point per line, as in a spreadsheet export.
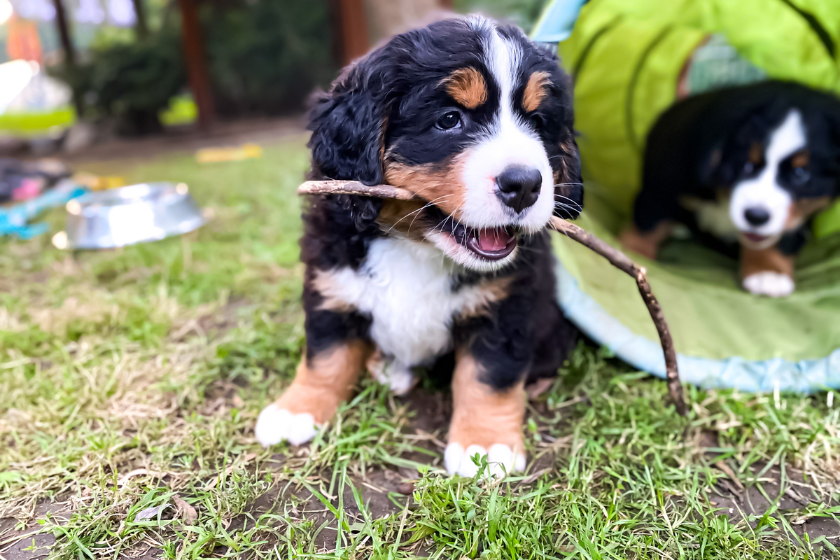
128	215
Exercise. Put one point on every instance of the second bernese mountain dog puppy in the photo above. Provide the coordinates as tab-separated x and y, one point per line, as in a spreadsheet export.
477	120
747	167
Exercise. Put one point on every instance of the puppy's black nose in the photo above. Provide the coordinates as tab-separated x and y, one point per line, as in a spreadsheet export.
757	216
519	187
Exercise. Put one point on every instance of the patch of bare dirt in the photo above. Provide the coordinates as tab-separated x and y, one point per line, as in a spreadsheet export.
24	544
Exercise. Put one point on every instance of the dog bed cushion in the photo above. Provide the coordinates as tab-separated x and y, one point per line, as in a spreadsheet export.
628	58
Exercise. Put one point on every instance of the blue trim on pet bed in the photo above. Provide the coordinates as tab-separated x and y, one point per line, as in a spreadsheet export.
805	376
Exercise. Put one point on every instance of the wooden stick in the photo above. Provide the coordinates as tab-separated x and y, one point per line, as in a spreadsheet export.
355	187
639	274
614	256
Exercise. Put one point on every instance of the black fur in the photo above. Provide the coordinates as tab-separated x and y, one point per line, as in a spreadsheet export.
526	333
388	103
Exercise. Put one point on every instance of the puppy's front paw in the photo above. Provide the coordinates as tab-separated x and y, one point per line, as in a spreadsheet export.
771	284
277	424
392	373
501	459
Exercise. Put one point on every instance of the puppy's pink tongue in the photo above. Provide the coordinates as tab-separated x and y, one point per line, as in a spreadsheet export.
492	240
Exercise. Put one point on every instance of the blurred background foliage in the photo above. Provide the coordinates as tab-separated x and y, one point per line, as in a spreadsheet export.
129	81
523	13
265	57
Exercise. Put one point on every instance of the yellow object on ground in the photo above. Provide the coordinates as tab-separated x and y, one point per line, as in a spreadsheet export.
215	155
97	183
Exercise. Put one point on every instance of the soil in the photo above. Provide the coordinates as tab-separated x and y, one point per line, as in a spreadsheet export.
737	502
21	544
385	488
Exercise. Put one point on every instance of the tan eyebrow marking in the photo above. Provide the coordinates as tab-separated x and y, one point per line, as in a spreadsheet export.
800	159
756	155
467	87
535	91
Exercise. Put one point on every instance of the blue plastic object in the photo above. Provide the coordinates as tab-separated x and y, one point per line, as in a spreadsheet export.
15	220
557	21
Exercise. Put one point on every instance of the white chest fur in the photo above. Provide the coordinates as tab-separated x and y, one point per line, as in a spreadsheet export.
713	216
406	287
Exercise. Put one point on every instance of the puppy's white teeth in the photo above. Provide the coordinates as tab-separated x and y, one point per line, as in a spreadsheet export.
275	425
770	284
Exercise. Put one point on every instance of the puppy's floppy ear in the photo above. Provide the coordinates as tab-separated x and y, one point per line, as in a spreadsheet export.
347	127
568	190
348	124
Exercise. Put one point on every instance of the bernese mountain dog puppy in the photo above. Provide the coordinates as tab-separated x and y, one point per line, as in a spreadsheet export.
477	120
744	168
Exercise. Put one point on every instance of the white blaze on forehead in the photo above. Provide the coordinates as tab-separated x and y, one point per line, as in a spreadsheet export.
764	190
788	139
509	142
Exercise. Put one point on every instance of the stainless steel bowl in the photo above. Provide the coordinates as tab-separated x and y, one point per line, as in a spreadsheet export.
128	215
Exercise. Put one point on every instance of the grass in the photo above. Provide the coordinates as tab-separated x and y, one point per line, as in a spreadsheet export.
131	381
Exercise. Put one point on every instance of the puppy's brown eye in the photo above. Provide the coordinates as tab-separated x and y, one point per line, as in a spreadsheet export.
449	121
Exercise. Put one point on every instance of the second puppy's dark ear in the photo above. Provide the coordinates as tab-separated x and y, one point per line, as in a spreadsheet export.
348	124
568	190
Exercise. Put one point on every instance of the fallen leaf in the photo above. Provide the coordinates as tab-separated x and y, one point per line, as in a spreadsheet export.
725	468
151	512
185	511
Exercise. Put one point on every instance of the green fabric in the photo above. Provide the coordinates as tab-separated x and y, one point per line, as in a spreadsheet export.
36	123
709	314
627	55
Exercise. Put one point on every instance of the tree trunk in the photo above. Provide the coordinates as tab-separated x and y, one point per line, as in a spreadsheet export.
349	29
141	27
196	59
64	34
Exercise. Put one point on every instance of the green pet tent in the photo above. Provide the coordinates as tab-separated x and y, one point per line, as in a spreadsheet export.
629	58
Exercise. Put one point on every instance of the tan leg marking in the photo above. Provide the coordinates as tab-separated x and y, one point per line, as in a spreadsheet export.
646	244
766	272
326	381
321	384
765	260
484	421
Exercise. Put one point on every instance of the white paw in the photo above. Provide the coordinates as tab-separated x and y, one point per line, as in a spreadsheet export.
398	377
771	284
278	424
501	460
